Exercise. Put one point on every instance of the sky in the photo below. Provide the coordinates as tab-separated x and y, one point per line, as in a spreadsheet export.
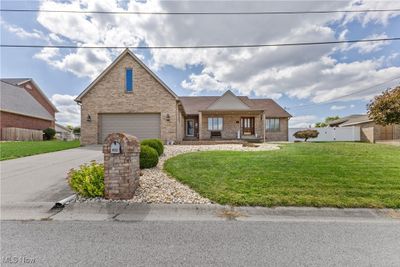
311	82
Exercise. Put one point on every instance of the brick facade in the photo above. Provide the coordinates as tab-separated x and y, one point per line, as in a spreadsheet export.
19	121
121	170
282	135
231	126
108	95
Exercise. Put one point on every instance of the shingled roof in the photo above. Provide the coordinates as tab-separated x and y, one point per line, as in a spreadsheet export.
193	104
15	99
350	120
21	81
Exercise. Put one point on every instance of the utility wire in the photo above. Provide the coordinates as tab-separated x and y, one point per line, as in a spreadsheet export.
204	46
334	100
201	13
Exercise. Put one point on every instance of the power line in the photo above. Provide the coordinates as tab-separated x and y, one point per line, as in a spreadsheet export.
203	46
334	100
201	13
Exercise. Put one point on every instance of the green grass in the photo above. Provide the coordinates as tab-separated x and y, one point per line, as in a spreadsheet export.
299	174
12	150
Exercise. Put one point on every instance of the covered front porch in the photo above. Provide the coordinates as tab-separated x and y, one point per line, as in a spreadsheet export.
225	125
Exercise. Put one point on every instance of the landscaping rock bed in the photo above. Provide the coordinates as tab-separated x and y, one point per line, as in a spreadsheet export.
155	186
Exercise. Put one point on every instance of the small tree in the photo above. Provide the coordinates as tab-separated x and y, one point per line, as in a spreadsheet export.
384	109
321	124
306	134
327	121
49	133
76	130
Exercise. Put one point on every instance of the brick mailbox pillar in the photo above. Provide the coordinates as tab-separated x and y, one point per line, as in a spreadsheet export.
121	165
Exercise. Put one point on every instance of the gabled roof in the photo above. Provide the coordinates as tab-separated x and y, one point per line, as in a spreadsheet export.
124	53
22	81
15	99
350	120
193	104
228	101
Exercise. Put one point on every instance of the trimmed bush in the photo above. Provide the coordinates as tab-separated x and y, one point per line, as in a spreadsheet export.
148	157
49	133
154	143
88	180
306	134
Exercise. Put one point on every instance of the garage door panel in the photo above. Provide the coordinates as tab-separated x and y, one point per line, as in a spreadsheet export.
142	126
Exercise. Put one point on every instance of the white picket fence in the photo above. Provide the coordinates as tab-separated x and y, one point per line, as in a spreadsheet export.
330	134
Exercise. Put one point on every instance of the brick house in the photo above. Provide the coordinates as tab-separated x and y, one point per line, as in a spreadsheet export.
369	130
25	106
128	97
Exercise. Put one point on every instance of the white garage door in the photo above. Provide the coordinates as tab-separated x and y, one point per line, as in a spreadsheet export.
143	126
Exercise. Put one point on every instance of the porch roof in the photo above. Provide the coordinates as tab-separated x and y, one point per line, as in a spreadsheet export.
195	104
232	111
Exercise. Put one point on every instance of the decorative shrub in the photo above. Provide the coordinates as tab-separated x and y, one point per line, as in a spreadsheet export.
88	180
49	133
306	134
154	143
148	157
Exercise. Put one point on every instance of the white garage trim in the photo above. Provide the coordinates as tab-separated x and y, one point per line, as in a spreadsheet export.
141	125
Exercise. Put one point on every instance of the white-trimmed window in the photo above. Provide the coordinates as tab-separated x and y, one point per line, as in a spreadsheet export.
215	124
272	124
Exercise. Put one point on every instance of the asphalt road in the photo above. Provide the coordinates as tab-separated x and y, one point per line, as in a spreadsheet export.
228	243
41	178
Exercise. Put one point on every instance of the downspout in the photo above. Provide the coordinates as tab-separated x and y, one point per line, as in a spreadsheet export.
200	125
263	116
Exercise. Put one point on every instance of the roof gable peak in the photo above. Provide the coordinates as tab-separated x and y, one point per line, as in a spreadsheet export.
126	52
228	101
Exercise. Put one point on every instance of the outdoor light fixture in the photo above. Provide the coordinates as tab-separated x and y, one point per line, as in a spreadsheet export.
89	118
168	118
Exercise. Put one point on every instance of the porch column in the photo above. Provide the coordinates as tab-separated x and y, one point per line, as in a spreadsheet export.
200	125
263	118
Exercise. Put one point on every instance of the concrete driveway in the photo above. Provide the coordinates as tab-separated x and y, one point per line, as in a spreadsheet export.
41	178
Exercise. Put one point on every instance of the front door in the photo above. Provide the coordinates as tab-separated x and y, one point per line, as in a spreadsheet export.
247	124
190	127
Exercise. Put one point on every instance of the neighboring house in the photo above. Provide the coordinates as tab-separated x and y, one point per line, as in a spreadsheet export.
128	97
64	133
369	130
24	106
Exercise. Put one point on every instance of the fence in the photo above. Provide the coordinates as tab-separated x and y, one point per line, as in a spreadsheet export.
19	134
330	134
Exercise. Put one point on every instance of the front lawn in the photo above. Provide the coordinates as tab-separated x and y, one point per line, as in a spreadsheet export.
12	150
299	174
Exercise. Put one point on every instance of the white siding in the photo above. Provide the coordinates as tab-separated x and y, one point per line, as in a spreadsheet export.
330	134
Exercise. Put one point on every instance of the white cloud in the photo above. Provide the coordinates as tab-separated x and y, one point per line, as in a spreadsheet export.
301	72
368	47
69	111
335	107
21	33
371	17
304	121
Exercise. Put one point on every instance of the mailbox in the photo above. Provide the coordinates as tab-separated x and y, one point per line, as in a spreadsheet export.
121	166
115	148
